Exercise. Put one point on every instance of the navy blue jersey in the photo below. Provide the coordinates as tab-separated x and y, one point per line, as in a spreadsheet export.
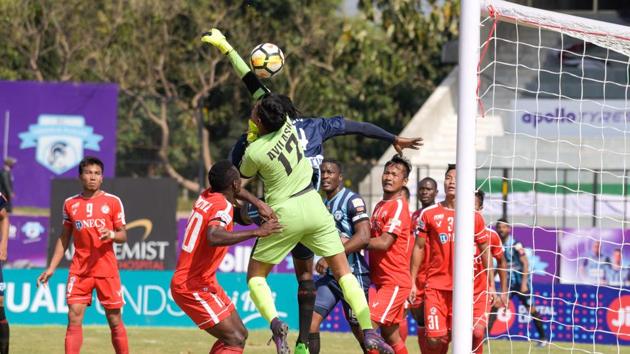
348	208
513	251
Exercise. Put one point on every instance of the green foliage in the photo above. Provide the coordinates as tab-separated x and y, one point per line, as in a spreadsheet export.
379	67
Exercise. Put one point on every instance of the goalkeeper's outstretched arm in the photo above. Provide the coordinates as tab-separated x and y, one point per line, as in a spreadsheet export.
253	84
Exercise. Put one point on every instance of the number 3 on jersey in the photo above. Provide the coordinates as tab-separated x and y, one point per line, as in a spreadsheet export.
287	148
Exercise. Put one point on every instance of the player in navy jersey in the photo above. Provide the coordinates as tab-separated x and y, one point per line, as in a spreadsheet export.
352	221
312	133
4	238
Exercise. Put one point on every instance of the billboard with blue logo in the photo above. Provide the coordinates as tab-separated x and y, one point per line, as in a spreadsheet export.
50	127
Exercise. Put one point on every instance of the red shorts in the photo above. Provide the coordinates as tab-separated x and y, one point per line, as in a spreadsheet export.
481	308
108	290
438	312
205	308
387	306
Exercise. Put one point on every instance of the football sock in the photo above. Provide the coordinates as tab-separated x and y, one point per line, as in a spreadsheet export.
313	343
422	341
306	302
400	348
261	296
477	342
74	339
4	332
119	339
355	297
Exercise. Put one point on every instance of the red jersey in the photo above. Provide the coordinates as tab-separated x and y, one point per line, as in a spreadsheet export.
93	257
391	267
437	223
421	279
496	250
198	262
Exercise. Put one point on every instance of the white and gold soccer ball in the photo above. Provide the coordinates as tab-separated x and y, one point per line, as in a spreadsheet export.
266	60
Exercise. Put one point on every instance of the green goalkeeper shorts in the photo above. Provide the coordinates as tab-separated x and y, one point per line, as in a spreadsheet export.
304	219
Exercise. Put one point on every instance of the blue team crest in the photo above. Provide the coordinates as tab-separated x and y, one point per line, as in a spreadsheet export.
59	141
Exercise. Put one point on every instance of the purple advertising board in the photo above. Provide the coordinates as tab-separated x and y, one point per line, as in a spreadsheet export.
51	127
596	256
542	251
28	240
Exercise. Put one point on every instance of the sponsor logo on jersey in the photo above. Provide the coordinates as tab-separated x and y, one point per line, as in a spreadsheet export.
338	215
438	219
74	208
358	203
95	223
78	225
105	209
59	141
443	238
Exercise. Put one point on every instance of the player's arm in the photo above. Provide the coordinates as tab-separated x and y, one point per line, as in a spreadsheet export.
60	248
219	236
251	81
264	210
525	277
503	282
417	257
370	130
382	243
4	229
360	239
119	235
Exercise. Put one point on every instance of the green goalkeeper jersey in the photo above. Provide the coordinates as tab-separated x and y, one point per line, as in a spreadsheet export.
279	160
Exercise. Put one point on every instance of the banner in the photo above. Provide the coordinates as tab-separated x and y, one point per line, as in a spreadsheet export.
148	301
541	249
51	127
150	208
555	118
28	238
595	256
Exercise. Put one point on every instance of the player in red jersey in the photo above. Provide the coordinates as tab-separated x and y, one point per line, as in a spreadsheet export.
436	225
484	292
194	285
95	220
427	191
390	250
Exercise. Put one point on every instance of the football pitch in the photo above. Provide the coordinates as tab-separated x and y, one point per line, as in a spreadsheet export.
143	340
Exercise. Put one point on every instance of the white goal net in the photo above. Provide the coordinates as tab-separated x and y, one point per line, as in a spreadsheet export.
558	172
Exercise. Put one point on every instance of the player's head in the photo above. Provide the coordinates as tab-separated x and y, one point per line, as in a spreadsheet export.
9	162
406	193
616	256
503	228
450	180
427	191
271	112
395	174
331	172
597	247
479	197
224	177
91	173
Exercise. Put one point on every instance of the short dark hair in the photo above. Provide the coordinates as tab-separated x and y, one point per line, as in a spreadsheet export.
406	191
90	160
481	195
334	162
502	221
451	166
273	110
399	160
428	179
221	175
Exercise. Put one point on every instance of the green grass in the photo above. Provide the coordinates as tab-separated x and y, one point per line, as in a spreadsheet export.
143	340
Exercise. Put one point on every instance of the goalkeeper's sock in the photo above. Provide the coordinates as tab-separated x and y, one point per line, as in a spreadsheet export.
74	339
355	297
260	293
119	339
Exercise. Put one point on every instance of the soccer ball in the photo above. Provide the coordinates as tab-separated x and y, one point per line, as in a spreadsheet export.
266	60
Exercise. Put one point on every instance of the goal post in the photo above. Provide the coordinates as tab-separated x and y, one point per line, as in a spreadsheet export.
559	170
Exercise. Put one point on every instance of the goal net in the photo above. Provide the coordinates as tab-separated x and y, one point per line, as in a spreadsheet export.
558	172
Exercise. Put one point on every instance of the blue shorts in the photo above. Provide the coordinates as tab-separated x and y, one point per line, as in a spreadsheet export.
329	293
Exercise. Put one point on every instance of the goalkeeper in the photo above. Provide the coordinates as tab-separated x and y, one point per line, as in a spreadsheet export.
312	133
